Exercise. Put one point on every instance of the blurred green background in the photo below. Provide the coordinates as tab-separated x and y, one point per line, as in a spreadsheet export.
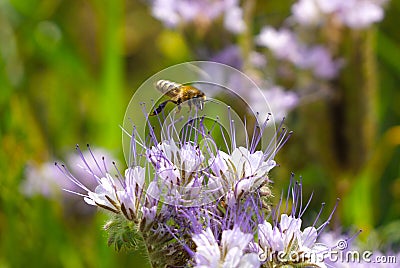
67	72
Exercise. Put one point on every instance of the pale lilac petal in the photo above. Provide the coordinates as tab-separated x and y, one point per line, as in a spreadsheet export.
218	164
280	102
309	237
307	12
165	11
207	250
250	260
233	20
362	14
235	238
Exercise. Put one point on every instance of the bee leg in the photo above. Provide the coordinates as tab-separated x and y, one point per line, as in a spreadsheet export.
178	103
160	107
200	104
190	105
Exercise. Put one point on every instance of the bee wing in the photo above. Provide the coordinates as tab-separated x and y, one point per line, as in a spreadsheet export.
171	89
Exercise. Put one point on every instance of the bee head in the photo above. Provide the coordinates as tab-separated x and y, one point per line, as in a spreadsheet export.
201	95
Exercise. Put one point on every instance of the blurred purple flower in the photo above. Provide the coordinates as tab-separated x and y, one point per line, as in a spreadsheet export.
94	158
280	102
285	45
233	20
356	14
319	60
44	179
230	56
257	59
166	11
204	12
361	14
306	12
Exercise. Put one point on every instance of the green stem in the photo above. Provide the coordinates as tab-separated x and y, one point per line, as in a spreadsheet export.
360	129
111	89
246	39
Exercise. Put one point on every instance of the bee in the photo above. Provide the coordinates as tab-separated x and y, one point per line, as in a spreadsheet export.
178	94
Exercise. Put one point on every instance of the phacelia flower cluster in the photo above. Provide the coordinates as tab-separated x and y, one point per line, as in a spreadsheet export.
193	202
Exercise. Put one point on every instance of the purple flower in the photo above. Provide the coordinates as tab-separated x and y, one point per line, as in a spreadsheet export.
165	11
208	253
170	159
130	198
284	241
193	203
230	56
230	252
319	60
42	180
149	208
287	239
361	14
90	154
118	196
121	195
229	238
199	12
241	171
181	169
257	59
45	179
284	45
233	20
279	101
356	14
307	12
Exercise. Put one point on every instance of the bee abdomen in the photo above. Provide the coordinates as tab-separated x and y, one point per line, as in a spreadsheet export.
165	86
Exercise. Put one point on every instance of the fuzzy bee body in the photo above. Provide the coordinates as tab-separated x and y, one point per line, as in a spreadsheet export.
178	94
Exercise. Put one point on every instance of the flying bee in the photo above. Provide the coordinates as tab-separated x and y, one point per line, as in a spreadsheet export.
178	94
